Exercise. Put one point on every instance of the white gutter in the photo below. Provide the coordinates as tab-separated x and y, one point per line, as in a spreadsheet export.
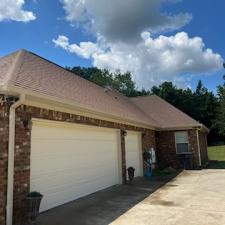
199	151
11	149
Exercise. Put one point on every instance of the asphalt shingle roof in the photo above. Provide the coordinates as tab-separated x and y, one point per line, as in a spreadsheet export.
31	72
164	113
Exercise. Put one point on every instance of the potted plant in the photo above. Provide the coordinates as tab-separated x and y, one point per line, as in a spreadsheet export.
33	203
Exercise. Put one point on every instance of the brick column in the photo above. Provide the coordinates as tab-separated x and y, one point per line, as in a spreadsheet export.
4	135
22	165
148	141
194	147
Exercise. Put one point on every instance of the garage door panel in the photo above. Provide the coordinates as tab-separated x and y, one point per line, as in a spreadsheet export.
54	132
60	177
51	164
75	186
54	171
71	193
70	161
133	152
58	147
66	193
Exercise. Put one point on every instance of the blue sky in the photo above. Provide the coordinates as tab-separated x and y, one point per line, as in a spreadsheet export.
52	20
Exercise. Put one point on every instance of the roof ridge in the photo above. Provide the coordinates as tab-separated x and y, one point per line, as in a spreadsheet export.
14	69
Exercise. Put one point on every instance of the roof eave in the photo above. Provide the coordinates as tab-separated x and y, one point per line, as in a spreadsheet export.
15	91
185	127
203	128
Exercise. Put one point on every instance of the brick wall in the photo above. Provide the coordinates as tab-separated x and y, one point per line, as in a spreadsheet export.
165	145
4	133
193	142
23	140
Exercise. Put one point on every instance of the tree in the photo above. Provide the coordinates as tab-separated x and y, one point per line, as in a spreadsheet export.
220	116
201	104
121	82
166	91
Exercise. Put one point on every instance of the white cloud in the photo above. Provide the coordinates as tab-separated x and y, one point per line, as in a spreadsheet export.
13	10
85	49
151	61
123	20
123	30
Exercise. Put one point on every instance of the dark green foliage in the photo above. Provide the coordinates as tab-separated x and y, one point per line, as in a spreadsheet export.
201	104
121	82
220	116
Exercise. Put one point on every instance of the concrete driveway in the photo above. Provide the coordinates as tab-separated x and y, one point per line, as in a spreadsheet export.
103	207
192	198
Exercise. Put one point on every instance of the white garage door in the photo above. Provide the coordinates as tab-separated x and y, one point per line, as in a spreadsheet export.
70	161
133	152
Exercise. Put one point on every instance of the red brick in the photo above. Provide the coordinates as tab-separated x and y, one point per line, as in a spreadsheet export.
163	142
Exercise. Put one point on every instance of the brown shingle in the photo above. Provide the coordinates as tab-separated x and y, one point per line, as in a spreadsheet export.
5	65
38	75
31	72
164	113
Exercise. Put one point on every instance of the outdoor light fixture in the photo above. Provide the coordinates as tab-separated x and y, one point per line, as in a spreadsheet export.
27	123
124	133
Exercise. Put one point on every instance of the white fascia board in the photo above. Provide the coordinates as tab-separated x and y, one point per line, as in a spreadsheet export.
65	104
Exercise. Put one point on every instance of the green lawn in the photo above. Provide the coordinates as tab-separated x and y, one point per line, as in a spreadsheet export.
217	155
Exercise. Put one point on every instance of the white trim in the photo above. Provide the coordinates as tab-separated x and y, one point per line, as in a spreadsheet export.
66	124
78	112
120	168
70	104
38	98
199	151
177	128
11	149
141	154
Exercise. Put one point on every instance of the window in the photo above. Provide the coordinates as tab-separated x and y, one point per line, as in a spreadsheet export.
181	139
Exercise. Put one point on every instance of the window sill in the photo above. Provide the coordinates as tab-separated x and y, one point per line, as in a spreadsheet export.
184	153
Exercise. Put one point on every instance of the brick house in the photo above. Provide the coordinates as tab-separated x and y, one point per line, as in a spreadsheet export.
66	137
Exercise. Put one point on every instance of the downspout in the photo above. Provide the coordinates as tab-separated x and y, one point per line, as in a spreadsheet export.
199	151
11	149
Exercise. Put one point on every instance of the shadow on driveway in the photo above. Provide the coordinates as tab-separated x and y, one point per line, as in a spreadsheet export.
103	207
215	164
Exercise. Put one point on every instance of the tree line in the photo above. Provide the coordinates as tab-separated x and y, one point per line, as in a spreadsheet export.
201	104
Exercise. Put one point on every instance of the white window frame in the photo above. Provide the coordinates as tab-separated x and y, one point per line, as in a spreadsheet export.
186	132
